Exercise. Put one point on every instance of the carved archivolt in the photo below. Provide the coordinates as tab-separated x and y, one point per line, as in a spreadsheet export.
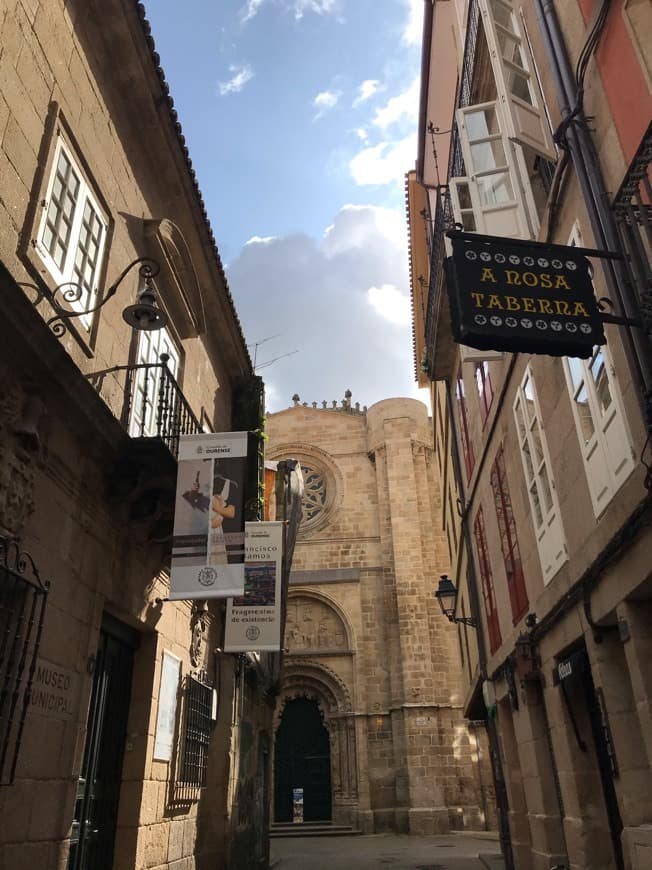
312	680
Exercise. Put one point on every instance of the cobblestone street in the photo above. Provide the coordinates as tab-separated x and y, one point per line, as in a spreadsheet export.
393	852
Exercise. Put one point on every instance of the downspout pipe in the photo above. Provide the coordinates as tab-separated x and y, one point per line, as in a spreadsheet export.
596	198
474	599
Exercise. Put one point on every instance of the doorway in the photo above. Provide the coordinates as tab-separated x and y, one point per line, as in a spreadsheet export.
302	760
98	791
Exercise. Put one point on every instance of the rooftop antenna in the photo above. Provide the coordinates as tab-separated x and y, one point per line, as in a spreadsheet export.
257	366
270	362
257	344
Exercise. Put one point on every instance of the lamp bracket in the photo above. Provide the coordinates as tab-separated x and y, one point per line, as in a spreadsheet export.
148	268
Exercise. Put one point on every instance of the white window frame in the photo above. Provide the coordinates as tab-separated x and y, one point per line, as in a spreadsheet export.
526	121
151	344
66	273
607	452
514	214
537	470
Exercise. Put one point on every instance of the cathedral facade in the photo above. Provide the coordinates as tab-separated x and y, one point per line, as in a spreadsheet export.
369	725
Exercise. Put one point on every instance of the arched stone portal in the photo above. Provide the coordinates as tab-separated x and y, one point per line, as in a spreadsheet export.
314	682
302	762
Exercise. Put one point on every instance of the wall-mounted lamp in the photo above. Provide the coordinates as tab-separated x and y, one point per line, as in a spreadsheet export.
446	594
144	314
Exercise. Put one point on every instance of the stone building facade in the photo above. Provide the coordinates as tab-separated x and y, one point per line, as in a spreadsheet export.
140	744
366	644
547	457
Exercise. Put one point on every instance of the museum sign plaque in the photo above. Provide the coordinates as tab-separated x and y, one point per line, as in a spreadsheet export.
532	298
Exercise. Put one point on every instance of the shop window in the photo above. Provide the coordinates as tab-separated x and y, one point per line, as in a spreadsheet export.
544	505
467	447
485	390
508	538
482	552
72	233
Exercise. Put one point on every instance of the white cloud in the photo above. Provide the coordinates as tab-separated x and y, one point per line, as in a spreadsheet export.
241	75
251	9
384	163
297	7
403	107
260	240
413	29
366	90
340	300
391	304
325	101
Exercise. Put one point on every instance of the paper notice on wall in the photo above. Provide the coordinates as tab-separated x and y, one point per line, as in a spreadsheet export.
253	620
208	536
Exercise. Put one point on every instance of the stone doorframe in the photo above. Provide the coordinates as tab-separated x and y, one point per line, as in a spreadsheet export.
315	681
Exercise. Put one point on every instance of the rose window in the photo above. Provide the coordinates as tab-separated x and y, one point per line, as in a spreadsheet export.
314	493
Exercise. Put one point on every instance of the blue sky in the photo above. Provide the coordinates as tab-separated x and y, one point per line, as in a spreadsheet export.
300	116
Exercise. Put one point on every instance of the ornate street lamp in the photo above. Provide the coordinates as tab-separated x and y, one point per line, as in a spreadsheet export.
144	314
446	594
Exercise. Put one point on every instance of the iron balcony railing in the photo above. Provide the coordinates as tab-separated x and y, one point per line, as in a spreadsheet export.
633	212
443	221
148	401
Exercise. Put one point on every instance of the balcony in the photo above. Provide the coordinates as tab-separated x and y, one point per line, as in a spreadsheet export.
148	403
439	339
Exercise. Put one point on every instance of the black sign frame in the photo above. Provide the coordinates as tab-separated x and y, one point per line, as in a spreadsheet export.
522	296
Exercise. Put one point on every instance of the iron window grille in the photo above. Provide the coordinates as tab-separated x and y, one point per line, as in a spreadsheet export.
633	212
23	597
196	733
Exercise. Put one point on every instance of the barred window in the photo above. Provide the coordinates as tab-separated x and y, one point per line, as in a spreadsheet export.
197	716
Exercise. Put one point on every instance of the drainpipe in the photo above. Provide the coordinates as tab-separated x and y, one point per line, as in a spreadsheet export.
596	199
474	600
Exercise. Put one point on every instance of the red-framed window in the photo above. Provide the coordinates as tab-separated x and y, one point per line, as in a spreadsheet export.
467	447
485	390
486	576
508	538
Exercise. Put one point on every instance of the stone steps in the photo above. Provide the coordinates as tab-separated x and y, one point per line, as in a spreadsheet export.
311	829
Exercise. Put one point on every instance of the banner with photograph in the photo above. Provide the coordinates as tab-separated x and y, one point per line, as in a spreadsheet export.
208	535
253	621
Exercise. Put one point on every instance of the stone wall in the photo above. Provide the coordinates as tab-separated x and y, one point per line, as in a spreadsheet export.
365	636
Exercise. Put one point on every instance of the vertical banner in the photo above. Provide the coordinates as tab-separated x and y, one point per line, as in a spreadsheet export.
253	621
208	536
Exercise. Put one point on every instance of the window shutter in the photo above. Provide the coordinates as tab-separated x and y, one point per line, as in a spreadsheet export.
493	180
518	88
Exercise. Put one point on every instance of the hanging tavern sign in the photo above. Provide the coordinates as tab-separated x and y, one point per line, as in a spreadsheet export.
529	297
